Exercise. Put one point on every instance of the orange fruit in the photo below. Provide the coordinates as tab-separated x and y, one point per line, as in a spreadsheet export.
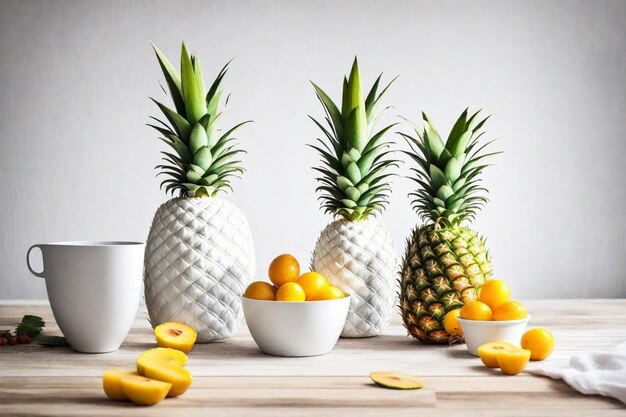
260	290
489	352
328	293
540	342
494	292
291	291
510	310
311	283
476	310
283	269
451	322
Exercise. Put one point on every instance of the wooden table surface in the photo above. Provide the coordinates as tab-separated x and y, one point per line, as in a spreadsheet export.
233	378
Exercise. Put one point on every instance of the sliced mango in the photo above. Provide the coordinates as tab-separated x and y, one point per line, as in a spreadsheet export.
112	383
396	380
166	371
174	356
489	352
144	391
175	335
512	363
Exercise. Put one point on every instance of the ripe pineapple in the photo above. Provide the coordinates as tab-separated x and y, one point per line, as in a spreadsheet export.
445	263
355	253
200	255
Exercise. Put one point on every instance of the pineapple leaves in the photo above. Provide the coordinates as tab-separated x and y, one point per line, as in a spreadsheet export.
204	159
448	173
354	179
172	79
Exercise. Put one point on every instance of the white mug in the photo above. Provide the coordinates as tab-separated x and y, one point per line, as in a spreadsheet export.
94	290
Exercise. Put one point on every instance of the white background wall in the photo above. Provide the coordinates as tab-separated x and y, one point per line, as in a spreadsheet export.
76	157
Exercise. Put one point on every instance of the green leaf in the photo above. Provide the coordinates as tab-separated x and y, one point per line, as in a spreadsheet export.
344	183
198	138
438	178
453	169
356	129
179	123
353	172
52	341
331	110
203	158
348	203
194	99
172	79
352	193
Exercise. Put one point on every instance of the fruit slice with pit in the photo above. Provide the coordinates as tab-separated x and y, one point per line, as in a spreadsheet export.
396	380
489	352
174	356
175	335
166	371
112	383
144	391
514	362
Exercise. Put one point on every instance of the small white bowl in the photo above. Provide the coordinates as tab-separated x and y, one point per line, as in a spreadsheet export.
478	332
307	328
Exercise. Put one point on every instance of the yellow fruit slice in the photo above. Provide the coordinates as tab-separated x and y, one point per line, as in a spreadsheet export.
260	290
328	293
489	352
494	292
311	283
510	310
476	310
540	342
513	362
177	376
284	268
144	391
175	335
112	383
290	291
174	356
396	380
451	322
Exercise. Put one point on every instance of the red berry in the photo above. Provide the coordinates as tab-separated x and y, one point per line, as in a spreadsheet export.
23	339
3	341
12	340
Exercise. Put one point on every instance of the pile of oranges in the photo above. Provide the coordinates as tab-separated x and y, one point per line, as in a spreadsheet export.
493	303
289	285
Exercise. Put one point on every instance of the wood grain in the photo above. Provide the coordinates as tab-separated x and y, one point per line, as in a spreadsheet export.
233	378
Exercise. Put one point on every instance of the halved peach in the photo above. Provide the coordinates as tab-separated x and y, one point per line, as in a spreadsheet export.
174	356
144	391
112	383
166	371
175	335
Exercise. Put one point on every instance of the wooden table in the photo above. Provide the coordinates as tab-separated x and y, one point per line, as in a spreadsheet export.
233	378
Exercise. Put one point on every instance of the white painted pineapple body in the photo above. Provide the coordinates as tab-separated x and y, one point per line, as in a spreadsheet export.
199	259
358	257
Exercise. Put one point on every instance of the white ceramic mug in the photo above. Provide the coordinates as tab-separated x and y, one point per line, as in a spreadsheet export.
94	290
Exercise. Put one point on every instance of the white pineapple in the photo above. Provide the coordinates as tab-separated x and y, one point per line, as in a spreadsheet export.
200	254
355	253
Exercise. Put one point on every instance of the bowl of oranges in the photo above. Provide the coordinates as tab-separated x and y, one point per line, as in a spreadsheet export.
297	314
493	317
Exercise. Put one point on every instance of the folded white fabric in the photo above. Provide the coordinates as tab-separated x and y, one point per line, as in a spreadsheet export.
601	373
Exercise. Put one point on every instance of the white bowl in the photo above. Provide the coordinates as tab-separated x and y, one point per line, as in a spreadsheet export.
478	332
307	328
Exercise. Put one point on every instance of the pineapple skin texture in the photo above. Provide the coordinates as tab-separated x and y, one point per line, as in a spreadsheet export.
199	259
442	269
358	257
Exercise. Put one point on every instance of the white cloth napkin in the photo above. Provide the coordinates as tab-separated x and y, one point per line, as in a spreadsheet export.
601	373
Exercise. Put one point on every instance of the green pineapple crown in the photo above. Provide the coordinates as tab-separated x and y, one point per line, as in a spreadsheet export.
354	178
205	159
449	173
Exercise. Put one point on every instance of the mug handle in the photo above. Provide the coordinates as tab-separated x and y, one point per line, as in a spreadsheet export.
35	273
